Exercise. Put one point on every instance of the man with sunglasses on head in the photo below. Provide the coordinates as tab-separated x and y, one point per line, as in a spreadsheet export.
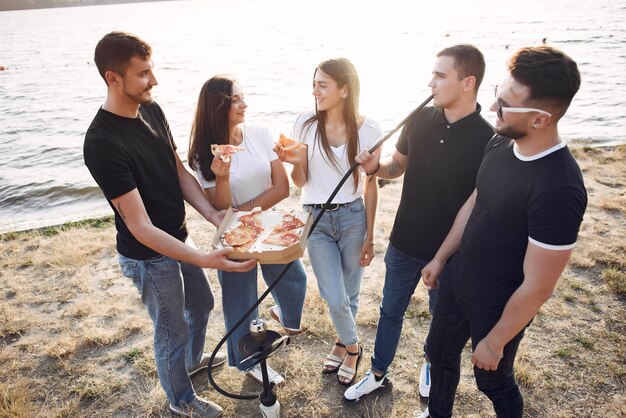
131	154
439	152
513	237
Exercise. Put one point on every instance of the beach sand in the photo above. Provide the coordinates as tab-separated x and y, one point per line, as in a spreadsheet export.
76	341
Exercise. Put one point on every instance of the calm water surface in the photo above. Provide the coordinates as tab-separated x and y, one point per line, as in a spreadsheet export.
52	89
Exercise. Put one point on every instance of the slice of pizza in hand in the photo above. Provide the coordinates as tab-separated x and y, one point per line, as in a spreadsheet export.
252	220
283	239
289	222
225	151
288	144
239	236
243	248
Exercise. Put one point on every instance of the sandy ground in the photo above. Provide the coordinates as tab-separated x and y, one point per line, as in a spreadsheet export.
76	341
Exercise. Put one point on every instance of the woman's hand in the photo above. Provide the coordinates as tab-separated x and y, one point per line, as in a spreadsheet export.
367	253
220	168
295	157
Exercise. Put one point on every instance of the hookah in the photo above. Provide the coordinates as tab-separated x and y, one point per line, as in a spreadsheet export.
260	343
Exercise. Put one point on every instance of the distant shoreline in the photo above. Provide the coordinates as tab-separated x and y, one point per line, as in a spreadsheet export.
7	5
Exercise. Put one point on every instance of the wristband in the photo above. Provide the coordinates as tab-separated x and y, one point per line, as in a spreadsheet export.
493	353
373	172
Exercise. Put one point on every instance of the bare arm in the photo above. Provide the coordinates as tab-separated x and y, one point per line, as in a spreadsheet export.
132	211
273	195
430	273
390	168
542	269
192	193
370	195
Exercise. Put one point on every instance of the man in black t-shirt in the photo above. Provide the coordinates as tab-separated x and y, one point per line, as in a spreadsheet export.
439	151
131	154
514	235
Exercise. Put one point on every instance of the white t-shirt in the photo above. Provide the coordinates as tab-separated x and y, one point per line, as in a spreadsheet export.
250	170
324	177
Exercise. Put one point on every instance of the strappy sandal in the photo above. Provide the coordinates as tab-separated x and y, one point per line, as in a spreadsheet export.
333	362
348	372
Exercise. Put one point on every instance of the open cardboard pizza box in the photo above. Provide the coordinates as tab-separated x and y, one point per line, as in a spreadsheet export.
266	253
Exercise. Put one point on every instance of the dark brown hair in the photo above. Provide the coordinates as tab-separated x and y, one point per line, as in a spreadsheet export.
115	50
550	75
342	71
468	61
210	124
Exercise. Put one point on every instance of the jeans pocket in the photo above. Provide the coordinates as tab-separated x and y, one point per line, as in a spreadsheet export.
130	270
357	206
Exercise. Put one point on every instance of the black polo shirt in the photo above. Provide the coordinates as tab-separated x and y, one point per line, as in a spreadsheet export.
443	160
127	153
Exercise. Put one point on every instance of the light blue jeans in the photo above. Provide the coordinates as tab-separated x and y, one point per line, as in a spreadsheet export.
179	299
335	252
239	293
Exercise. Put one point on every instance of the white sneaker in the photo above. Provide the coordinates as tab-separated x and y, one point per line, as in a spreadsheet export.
275	377
365	386
424	386
418	414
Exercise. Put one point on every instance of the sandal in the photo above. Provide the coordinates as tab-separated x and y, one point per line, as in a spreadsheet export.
289	331
348	372
333	362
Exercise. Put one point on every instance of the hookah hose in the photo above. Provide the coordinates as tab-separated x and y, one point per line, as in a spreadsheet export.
282	273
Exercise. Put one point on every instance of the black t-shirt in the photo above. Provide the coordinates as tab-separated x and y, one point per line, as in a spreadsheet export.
443	159
127	153
540	199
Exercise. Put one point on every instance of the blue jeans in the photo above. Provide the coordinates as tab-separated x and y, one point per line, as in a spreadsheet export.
239	293
402	275
179	299
456	321
335	252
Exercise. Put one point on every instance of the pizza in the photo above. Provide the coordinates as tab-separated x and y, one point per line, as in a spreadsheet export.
288	144
245	247
288	223
252	220
239	235
282	239
225	151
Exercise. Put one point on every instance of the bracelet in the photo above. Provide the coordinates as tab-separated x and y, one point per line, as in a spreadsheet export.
498	356
373	172
370	242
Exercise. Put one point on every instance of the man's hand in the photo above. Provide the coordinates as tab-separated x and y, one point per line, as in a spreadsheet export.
369	163
217	260
367	253
484	358
294	157
431	273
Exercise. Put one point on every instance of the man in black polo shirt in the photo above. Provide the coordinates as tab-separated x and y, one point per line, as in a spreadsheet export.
514	235
130	152
440	150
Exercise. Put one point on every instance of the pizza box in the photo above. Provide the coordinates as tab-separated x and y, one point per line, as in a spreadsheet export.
266	253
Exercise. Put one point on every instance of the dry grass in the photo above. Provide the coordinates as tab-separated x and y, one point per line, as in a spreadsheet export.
75	340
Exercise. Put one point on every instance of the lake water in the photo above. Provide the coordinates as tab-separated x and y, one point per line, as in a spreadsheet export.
52	88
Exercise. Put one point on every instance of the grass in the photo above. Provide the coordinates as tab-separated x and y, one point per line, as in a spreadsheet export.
75	339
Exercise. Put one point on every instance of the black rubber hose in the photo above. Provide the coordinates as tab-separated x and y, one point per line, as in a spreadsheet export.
282	273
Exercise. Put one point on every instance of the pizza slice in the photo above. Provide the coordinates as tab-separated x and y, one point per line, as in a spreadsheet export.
283	239
239	236
288	144
289	222
252	220
225	151
243	248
